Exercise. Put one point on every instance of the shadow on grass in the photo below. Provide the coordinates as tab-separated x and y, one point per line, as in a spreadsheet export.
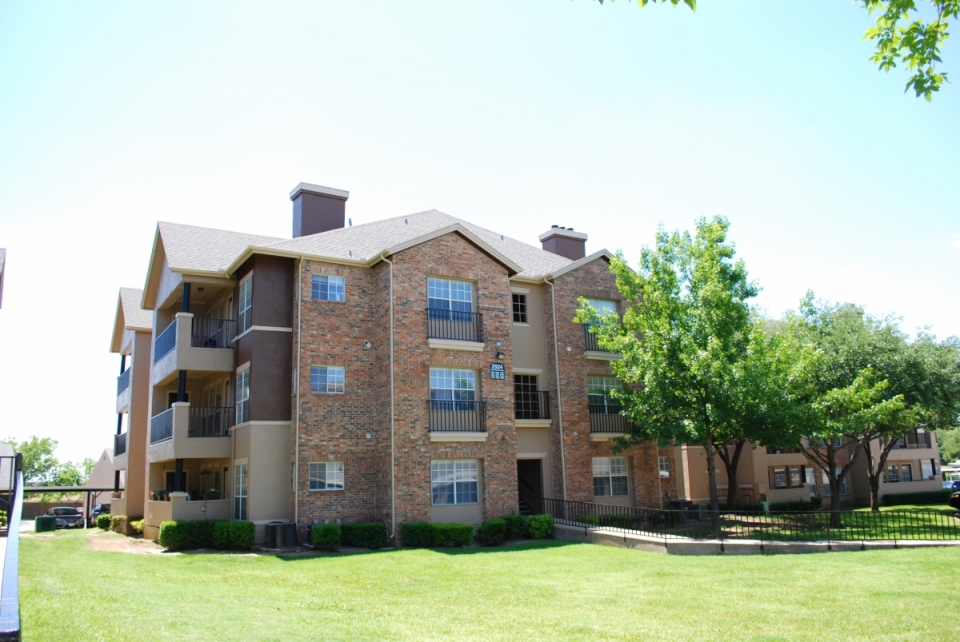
472	550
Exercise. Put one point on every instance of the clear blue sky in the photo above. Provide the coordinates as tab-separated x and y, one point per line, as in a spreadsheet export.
513	115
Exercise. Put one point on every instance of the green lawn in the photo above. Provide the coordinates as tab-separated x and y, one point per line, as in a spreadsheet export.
534	591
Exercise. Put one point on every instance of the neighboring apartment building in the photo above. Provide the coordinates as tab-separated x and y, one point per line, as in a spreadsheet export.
414	368
913	466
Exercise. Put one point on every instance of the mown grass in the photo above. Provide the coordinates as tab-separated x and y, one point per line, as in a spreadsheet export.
532	591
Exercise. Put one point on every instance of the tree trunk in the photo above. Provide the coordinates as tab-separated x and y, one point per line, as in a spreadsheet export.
731	463
714	498
875	468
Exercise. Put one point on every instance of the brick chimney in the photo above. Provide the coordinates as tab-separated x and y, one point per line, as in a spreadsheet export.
317	209
565	242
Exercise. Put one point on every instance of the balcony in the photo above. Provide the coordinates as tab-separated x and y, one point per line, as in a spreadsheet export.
193	343
592	349
452	330
531	405
123	381
186	432
606	422
457	420
123	390
178	508
913	441
120	452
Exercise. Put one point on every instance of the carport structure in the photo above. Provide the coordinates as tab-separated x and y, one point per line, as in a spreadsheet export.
91	495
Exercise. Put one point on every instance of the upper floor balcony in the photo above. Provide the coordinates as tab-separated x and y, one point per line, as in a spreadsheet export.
187	432
120	451
607	421
454	330
531	405
457	420
592	349
914	441
123	390
193	343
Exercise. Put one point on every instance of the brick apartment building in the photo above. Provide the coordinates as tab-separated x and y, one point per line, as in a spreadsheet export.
413	368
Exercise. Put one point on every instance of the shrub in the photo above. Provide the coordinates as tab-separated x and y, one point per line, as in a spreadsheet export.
232	535
593	520
492	531
186	535
371	535
817	502
415	534
516	526
799	506
326	536
451	534
928	497
137	526
118	524
541	526
103	522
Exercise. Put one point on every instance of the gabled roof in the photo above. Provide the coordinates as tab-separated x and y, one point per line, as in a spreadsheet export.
130	316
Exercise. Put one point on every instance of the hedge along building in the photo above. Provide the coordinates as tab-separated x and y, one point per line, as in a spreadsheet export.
414	368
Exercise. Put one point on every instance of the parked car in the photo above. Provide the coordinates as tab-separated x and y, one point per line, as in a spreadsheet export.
98	510
67	517
952	485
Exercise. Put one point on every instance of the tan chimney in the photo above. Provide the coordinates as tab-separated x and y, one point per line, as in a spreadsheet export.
565	242
317	209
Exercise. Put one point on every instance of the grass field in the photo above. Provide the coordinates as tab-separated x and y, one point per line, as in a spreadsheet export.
533	591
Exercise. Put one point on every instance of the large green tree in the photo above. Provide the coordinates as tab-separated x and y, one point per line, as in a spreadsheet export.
39	464
685	332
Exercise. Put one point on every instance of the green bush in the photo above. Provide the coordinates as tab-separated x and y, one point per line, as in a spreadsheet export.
492	531
137	526
817	502
415	534
371	535
593	520
927	497
326	536
799	506
188	535
541	526
118	524
232	535
451	534
103	522
516	526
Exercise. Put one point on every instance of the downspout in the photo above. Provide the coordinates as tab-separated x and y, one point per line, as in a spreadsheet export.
296	383
393	450
556	360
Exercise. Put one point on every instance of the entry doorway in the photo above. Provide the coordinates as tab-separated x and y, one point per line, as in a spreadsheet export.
530	485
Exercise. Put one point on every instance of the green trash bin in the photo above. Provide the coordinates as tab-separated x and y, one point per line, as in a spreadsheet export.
45	523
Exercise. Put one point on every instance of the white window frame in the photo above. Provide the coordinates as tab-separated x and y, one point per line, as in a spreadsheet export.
811	480
523	313
892	474
462	388
450	296
664	462
599	388
245	305
333	380
780	478
926	470
611	469
243	395
336	288
240	486
461	476
325	475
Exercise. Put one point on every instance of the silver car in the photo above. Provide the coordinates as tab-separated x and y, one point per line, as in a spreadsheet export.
67	517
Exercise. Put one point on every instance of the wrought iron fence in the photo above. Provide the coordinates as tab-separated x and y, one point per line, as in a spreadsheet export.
120	444
165	342
608	418
457	416
531	404
161	427
212	333
123	381
450	324
210	421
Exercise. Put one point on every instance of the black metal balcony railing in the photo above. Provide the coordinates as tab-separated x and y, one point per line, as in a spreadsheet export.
607	418
212	333
161	427
457	416
165	342
590	339
119	444
531	404
210	421
123	381
450	324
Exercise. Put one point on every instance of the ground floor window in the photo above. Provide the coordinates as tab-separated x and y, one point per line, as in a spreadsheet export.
927	470
811	481
610	476
827	491
454	481
664	467
240	492
326	475
906	473
892	475
779	477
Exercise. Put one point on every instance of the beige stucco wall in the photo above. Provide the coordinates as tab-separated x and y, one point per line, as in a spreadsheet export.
268	469
528	340
534	443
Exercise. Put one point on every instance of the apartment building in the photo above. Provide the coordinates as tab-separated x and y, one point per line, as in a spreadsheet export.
414	368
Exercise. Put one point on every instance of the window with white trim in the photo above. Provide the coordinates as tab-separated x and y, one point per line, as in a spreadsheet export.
927	470
603	306
243	396
453	389
892	475
664	466
454	481
610	476
598	395
245	305
795	481
326	475
827	491
450	300
240	492
519	308
327	379
328	288
811	481
779	477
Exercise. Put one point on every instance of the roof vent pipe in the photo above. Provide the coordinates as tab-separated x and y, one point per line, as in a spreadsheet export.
317	209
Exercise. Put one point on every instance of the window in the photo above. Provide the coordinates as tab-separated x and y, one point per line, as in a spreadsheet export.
795	481
451	300
603	306
326	475
598	394
779	477
526	401
811	481
453	389
927	470
327	379
609	476
893	474
454	481
906	473
245	305
240	492
827	491
838	443
328	288
519	308
243	396
664	466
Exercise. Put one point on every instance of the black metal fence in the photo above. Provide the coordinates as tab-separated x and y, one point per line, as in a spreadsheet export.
697	523
212	333
119	444
450	324
531	404
210	421
161	427
607	418
123	381
457	416
165	342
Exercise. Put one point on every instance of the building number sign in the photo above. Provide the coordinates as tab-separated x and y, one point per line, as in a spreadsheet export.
497	372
